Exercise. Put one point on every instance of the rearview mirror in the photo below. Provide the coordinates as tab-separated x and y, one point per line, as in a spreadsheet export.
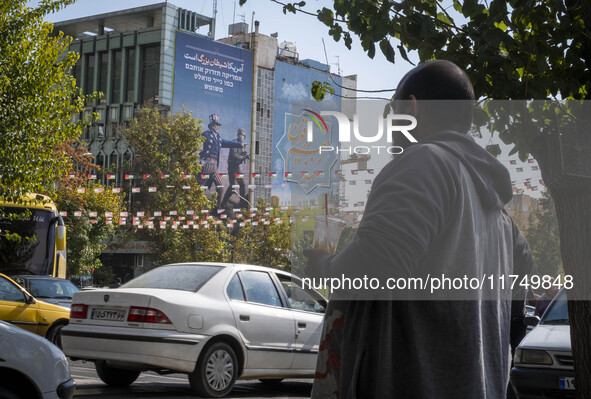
531	321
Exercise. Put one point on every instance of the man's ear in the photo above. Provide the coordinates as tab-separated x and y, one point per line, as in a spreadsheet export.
413	106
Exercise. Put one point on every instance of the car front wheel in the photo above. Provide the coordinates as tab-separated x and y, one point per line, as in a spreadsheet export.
216	370
114	376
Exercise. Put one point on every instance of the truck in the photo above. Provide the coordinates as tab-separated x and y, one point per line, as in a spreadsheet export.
32	237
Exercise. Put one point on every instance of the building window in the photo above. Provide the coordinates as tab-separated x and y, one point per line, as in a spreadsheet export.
130	76
150	76
103	75
116	78
77	72
100	162
89	82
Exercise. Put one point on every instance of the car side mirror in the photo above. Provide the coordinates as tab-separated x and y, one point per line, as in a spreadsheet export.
531	321
29	300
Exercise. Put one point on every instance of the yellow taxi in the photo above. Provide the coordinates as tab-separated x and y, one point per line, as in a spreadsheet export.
20	308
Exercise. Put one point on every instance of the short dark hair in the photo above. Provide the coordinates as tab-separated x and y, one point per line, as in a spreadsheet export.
440	80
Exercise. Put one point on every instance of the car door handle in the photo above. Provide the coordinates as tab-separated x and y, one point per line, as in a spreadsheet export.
244	317
301	325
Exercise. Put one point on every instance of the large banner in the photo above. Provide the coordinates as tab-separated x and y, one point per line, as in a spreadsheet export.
296	160
212	78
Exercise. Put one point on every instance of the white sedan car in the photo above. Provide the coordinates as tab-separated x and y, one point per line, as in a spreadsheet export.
32	367
213	321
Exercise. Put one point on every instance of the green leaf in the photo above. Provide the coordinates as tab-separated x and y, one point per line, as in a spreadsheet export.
403	54
494	150
387	50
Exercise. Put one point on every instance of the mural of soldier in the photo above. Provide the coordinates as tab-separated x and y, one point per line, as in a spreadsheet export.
236	158
210	156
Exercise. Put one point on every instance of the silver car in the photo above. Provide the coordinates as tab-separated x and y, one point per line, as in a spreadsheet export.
543	364
213	321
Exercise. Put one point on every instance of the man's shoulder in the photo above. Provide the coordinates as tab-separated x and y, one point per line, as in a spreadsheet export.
423	155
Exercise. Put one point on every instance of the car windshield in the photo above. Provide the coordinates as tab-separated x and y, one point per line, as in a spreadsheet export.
30	252
557	312
175	277
49	288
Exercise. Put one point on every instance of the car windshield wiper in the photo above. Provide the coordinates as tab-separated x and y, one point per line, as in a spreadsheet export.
556	321
62	297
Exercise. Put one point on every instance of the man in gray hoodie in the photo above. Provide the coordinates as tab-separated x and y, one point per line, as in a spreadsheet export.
435	210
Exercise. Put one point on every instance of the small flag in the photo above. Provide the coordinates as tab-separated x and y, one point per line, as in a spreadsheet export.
288	175
186	176
80	190
152	189
135	189
272	174
157	213
93	214
91	177
110	177
140	213
513	162
128	177
354	171
98	190
146	176
164	176
78	213
116	189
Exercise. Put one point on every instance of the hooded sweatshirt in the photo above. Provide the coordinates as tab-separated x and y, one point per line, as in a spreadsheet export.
436	211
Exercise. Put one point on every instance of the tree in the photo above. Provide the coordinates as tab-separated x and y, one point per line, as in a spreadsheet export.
511	49
87	236
267	243
544	238
167	151
38	97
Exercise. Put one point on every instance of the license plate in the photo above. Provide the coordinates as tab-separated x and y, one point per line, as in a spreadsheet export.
566	383
107	314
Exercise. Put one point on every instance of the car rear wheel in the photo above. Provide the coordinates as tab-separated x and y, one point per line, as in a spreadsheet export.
216	370
114	376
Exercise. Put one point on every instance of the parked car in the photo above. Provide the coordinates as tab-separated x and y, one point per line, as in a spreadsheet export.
544	360
213	321
22	309
31	367
48	289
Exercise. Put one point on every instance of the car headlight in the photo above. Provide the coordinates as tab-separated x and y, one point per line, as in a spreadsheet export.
532	356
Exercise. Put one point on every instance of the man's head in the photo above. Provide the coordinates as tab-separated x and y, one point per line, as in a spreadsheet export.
439	94
214	122
241	135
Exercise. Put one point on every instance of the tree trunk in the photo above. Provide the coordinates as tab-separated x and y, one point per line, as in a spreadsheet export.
572	200
573	210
